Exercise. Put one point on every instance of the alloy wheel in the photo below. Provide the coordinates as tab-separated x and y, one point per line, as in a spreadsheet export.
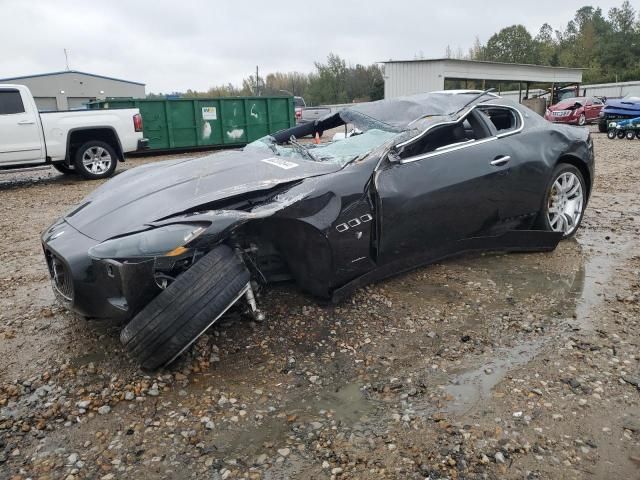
96	160
566	202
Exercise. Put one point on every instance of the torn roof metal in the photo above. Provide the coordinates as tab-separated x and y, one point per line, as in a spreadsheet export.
415	112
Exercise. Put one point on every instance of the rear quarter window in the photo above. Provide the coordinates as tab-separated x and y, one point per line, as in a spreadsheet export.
10	102
504	119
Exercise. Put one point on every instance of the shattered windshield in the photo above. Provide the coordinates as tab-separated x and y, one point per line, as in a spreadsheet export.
341	151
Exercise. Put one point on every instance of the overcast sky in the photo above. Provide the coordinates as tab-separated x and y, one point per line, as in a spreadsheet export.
173	46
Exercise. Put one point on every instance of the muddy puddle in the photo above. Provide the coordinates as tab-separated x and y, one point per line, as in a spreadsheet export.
564	288
470	388
346	405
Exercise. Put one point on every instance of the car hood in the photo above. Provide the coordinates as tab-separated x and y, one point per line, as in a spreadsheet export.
564	106
159	190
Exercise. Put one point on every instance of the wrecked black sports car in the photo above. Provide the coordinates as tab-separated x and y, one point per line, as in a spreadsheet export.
171	246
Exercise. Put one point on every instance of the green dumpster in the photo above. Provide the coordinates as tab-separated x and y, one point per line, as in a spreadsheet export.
207	122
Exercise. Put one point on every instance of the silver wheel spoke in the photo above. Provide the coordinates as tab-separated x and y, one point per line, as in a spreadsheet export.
575	189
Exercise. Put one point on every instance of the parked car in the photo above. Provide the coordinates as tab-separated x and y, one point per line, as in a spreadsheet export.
88	142
170	246
299	105
311	114
616	110
577	110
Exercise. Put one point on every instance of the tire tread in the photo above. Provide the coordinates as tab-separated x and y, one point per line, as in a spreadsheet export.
178	315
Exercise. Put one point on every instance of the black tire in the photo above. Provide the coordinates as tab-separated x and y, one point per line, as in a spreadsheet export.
630	134
543	219
98	147
64	168
602	126
611	133
638	134
620	134
582	120
173	320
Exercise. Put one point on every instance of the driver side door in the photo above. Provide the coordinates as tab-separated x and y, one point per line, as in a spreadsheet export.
429	200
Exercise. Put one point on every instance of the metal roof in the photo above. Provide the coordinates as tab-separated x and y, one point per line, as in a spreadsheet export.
481	62
70	71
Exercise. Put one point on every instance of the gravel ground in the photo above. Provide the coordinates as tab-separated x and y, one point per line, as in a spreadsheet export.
498	366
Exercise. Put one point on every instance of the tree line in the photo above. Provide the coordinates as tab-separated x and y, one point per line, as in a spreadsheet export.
332	82
607	46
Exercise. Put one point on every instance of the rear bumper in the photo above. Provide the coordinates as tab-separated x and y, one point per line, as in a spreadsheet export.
95	288
143	144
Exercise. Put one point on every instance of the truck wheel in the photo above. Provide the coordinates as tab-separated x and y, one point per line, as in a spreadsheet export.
95	160
611	133
64	168
620	134
175	319
631	135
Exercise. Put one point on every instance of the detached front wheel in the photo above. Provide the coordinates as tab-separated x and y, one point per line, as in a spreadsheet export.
95	160
564	201
173	320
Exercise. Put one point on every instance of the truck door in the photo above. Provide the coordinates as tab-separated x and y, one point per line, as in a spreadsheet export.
20	133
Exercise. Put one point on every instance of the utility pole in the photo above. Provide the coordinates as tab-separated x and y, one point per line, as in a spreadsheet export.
257	82
66	58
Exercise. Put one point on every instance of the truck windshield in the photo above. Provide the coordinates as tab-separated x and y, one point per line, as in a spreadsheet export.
340	151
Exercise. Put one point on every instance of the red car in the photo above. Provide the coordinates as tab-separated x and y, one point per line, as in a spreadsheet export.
578	110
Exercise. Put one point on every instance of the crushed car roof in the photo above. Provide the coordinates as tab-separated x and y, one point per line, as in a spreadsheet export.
399	114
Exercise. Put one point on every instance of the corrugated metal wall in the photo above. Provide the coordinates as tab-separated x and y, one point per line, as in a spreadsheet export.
411	78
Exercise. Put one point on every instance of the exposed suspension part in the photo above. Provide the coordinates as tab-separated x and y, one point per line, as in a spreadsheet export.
258	316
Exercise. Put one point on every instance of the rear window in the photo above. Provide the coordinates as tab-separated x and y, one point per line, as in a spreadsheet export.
10	102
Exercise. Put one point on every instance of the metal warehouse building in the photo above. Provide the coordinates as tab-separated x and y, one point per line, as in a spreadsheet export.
71	90
408	77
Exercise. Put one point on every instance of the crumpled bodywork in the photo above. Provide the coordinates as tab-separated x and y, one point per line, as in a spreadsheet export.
157	191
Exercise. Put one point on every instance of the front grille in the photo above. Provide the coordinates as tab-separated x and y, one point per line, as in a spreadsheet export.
60	277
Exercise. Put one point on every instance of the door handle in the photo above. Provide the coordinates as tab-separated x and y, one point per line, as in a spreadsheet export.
500	161
26	122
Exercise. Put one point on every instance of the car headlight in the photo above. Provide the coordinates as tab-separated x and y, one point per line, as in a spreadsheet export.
167	240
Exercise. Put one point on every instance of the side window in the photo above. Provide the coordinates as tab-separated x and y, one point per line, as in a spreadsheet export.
597	101
10	102
442	137
503	119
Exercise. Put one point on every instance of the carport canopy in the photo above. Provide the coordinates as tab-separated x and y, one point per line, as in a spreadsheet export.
409	77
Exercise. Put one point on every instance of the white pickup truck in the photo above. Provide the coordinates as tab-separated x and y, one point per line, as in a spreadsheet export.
88	142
